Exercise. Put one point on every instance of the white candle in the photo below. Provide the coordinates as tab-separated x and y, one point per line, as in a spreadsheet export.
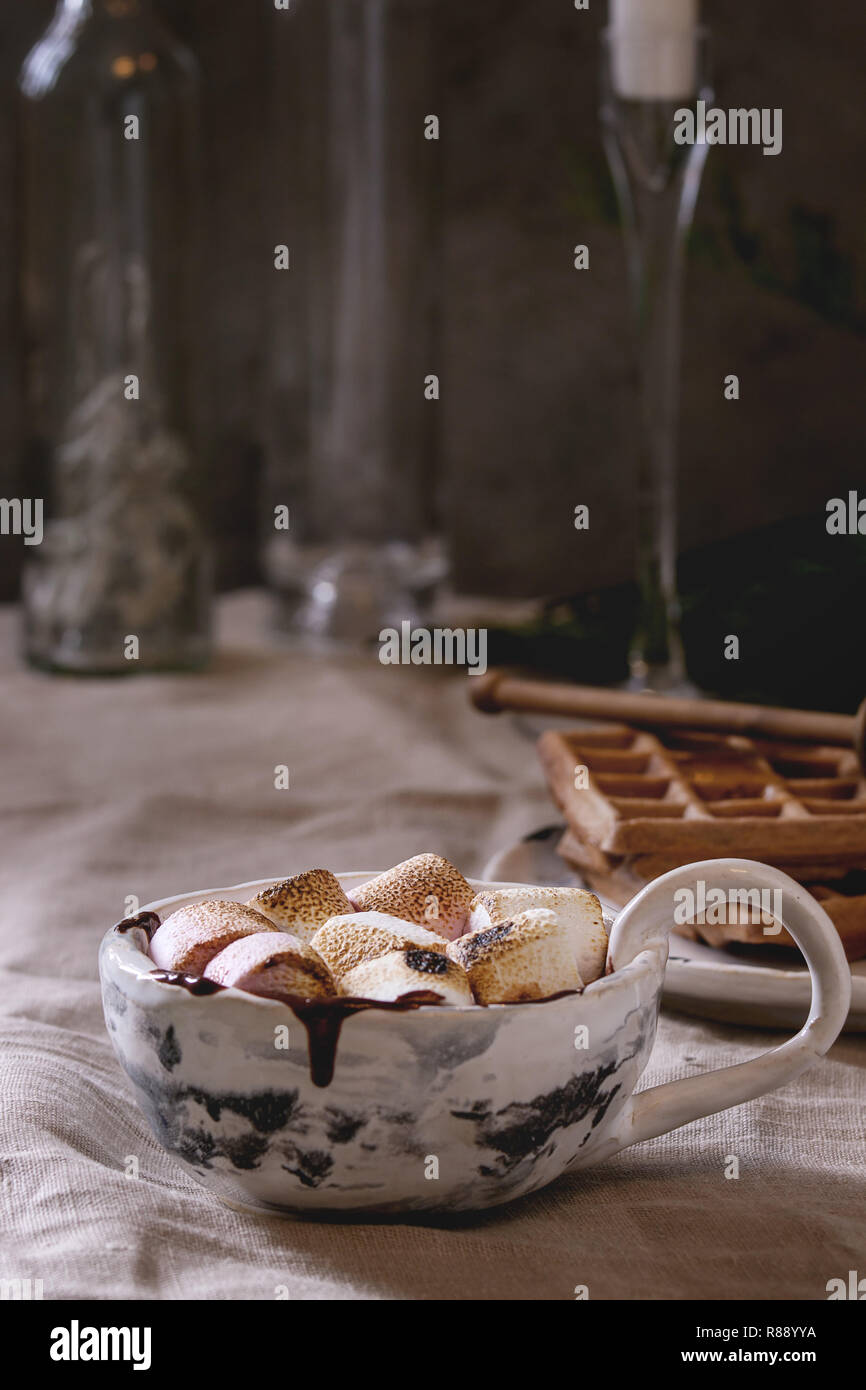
662	14
653	48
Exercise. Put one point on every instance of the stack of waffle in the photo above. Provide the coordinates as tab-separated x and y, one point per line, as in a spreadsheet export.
638	804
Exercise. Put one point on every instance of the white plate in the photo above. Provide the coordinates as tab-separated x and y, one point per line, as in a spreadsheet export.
699	980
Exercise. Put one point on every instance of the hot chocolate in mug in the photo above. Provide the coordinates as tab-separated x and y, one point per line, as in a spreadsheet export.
327	1107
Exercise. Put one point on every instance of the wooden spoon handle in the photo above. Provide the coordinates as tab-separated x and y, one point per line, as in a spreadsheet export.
497	690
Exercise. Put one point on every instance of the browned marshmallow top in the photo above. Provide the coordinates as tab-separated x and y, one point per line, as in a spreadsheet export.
302	903
397	973
273	964
346	941
192	936
427	890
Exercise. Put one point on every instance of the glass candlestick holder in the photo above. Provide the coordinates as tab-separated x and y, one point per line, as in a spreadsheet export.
648	77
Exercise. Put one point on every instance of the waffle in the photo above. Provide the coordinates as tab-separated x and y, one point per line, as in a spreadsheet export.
649	803
693	795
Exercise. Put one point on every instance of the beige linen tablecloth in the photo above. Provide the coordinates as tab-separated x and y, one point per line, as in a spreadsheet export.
149	786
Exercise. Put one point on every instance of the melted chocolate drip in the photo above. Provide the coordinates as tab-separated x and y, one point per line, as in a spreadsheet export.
548	998
323	1019
148	921
193	984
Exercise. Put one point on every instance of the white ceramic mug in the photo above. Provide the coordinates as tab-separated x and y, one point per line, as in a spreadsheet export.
439	1108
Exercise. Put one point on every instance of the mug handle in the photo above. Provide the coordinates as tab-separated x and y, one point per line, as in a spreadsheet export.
645	924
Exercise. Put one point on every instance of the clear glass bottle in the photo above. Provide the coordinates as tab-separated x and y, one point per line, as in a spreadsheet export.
109	177
362	550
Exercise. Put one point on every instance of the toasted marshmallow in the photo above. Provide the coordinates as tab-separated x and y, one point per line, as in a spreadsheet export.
346	941
192	936
406	971
303	903
529	956
426	890
271	963
575	909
